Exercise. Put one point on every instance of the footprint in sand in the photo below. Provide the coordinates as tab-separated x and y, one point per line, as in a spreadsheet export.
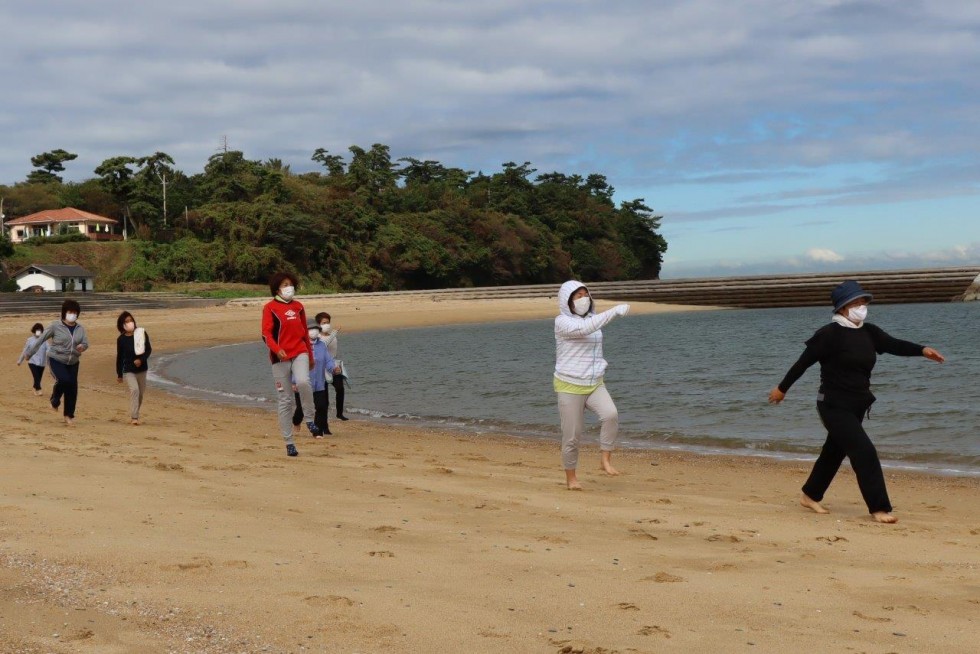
653	630
731	538
858	614
385	529
169	466
640	533
329	600
383	554
555	540
664	578
628	606
196	563
832	539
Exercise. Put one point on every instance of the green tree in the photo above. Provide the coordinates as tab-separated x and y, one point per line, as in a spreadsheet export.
334	163
48	165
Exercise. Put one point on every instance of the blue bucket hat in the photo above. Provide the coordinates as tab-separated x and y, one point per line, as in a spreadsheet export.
847	292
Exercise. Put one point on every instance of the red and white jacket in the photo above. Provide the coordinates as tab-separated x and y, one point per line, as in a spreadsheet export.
284	328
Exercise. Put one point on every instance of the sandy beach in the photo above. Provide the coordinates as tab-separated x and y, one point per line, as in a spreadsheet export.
193	532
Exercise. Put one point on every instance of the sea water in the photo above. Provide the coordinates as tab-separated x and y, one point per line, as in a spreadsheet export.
695	380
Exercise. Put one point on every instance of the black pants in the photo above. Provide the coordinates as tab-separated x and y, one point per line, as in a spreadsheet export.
338	386
38	373
846	437
321	405
66	387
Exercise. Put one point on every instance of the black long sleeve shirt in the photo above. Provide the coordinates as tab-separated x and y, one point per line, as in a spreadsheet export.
847	357
126	354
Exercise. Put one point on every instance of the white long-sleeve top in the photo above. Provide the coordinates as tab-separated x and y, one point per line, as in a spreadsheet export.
578	340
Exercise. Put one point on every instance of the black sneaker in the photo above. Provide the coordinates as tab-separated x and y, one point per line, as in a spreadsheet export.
314	430
291	450
340	417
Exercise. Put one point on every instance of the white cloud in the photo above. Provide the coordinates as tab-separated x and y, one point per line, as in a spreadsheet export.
823	255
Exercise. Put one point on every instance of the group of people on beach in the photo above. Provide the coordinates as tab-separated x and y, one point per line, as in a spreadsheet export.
298	348
846	350
303	355
60	347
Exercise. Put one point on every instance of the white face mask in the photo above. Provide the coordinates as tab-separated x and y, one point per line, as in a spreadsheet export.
38	332
325	327
582	305
858	314
129	326
287	292
71	317
314	334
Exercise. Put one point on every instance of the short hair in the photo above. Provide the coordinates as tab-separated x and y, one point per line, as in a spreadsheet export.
121	320
278	279
320	316
36	327
70	305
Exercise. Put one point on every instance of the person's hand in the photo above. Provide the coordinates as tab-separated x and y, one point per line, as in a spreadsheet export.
621	309
19	362
295	390
80	348
118	380
137	363
933	355
776	396
281	354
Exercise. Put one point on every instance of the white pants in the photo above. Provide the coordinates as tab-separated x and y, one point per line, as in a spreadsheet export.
571	409
299	370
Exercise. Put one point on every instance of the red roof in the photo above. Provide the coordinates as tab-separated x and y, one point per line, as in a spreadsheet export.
67	215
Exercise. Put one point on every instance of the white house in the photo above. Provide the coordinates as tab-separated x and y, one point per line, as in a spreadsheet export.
51	222
47	277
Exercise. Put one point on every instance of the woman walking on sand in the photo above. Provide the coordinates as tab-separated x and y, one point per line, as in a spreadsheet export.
578	379
291	354
67	343
132	352
38	361
846	349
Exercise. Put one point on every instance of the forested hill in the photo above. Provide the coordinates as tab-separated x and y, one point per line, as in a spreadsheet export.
369	223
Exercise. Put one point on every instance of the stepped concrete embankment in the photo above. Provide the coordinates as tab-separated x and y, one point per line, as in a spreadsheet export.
49	304
763	291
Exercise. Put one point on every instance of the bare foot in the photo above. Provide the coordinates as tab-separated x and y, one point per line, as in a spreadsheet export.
884	517
69	421
813	505
571	479
54	408
38	392
607	464
135	423
574	485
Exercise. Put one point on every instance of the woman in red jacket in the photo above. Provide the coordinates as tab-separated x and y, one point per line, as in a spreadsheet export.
291	354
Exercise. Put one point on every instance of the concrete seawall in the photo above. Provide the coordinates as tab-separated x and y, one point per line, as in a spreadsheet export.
764	291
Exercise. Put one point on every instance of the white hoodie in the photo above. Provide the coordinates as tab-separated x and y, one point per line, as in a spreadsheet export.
578	339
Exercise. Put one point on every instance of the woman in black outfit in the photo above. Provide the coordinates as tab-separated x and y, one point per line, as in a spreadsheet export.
846	350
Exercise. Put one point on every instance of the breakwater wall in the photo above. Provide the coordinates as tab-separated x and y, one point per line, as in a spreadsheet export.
762	291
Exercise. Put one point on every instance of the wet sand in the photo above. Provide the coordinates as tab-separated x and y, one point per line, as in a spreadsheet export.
194	533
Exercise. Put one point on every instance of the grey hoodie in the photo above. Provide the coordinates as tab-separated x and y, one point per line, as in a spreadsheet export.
64	344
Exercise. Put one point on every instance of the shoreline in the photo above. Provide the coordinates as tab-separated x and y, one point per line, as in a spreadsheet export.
194	533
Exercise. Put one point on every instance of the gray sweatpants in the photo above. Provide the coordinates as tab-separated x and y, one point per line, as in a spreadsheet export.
571	409
137	386
297	369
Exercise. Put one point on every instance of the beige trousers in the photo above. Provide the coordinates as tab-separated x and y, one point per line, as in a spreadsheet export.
571	409
137	386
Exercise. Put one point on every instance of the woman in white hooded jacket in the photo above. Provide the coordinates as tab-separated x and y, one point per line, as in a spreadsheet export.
578	380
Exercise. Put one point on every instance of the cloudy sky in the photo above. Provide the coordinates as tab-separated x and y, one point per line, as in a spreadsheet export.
772	135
